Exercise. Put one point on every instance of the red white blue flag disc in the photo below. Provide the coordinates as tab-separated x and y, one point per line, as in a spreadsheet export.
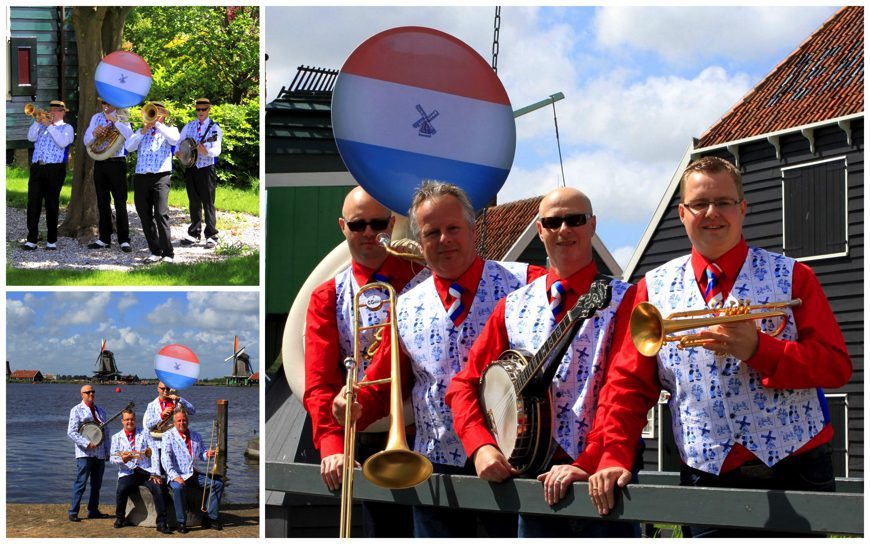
414	103
123	79
177	366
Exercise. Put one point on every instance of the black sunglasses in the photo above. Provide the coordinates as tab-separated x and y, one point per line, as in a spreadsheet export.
359	225
573	220
201	109
88	392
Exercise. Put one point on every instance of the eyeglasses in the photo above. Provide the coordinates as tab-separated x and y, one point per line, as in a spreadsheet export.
721	204
163	389
88	392
572	220
201	109
359	225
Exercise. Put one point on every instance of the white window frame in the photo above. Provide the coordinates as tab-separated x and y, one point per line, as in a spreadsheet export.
846	209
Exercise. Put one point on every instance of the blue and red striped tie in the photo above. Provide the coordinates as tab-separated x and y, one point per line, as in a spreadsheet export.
713	293
456	308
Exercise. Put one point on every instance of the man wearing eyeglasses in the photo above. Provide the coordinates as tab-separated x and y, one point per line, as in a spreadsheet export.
90	457
747	408
523	321
110	179
201	178
329	339
160	410
153	143
438	321
51	138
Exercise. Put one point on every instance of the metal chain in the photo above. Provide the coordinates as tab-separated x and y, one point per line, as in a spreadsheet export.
496	28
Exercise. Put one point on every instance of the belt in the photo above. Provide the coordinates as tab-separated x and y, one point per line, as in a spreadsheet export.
113	159
43	163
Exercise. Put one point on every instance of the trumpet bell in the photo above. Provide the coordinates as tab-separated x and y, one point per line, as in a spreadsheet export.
647	329
397	469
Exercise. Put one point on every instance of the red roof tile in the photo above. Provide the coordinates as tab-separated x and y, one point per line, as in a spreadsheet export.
501	226
24	374
822	79
255	377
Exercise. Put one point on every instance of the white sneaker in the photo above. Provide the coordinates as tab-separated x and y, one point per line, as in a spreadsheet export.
153	258
51	247
211	243
169	260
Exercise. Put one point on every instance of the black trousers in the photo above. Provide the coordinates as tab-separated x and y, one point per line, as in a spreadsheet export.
127	484
382	519
110	182
201	186
151	196
810	471
44	185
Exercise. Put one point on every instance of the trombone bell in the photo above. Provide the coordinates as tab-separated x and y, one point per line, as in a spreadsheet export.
397	468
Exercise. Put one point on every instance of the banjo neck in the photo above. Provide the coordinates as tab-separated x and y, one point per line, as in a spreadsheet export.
114	417
557	343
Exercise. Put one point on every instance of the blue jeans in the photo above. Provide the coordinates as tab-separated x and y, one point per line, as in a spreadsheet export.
196	480
438	522
810	471
87	467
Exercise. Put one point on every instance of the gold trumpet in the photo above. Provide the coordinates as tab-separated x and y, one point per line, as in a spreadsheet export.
649	331
38	115
138	454
397	467
150	112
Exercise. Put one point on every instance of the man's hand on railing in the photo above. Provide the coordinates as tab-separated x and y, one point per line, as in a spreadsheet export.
340	402
491	465
601	485
331	468
558	479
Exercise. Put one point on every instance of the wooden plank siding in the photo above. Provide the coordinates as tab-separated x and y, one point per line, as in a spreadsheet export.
841	277
43	24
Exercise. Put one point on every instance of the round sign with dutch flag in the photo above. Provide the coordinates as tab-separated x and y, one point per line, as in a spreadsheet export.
123	79
414	103
177	366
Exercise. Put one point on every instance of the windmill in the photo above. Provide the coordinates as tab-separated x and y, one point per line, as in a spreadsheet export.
106	367
241	364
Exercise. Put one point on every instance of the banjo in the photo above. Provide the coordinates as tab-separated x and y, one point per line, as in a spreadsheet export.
515	395
93	431
187	152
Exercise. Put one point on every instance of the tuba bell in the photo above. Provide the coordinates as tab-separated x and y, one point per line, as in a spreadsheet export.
108	143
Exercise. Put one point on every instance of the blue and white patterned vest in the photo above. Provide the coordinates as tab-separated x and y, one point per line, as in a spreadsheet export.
154	154
717	400
346	288
529	322
439	350
46	149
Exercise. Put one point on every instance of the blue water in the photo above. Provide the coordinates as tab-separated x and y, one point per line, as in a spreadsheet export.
40	458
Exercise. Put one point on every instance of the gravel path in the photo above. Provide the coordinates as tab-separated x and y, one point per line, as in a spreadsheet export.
236	229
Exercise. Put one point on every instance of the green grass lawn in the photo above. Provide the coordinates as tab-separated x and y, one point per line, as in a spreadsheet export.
227	199
244	270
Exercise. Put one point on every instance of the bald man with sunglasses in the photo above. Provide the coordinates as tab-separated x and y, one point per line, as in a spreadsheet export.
329	339
524	320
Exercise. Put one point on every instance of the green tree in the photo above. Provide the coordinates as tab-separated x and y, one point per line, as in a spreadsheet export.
198	51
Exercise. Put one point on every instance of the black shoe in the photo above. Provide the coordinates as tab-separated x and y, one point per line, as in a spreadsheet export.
182	528
51	247
217	525
118	523
98	515
188	241
74	517
126	248
162	528
26	247
206	522
95	245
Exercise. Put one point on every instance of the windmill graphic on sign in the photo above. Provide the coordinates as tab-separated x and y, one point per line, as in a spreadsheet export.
424	123
241	365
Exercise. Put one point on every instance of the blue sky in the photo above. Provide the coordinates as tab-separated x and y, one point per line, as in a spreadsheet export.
639	82
60	332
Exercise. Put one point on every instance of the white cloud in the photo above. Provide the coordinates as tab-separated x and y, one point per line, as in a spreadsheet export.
127	300
166	314
623	255
694	34
19	314
83	307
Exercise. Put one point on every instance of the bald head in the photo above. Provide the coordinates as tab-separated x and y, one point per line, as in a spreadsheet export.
362	219
564	197
566	226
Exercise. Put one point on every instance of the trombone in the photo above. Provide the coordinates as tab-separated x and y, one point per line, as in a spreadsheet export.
210	473
649	331
397	467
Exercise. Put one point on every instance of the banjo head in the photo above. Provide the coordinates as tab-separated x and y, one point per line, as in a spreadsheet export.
498	402
187	152
92	432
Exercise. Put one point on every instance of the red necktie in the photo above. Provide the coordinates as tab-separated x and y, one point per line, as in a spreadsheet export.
187	441
94	414
131	438
713	293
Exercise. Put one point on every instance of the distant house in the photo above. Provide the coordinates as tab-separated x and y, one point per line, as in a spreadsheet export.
43	66
31	376
798	139
254	378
